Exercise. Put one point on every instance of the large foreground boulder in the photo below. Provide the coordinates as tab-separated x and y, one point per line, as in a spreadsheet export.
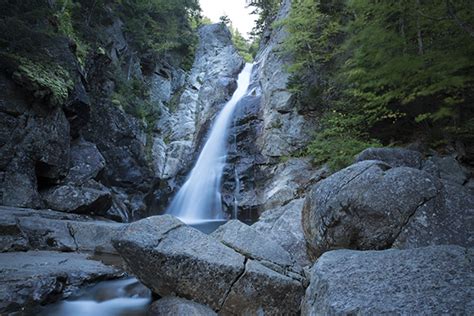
426	281
371	205
32	278
228	275
172	258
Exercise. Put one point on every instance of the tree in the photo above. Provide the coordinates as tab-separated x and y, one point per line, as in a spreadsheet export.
224	19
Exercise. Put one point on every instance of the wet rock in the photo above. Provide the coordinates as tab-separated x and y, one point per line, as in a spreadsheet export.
283	225
395	157
27	229
37	277
170	306
365	206
433	280
90	198
86	162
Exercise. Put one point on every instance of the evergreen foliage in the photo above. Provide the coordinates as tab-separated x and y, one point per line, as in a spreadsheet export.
266	11
383	70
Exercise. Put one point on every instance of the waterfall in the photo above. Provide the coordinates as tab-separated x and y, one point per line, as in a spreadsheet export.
199	199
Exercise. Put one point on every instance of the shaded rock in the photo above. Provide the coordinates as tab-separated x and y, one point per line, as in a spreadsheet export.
37	277
178	306
428	281
171	258
395	157
26	229
86	162
121	140
446	168
261	290
90	198
283	225
364	206
35	151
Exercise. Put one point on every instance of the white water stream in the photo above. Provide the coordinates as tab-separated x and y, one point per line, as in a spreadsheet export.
199	199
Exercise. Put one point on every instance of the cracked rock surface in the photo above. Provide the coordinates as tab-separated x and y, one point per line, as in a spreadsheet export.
370	205
26	229
222	273
433	280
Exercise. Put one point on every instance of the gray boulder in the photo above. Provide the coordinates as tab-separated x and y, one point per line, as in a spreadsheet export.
174	259
436	280
89	198
395	157
171	306
370	205
283	225
37	277
364	206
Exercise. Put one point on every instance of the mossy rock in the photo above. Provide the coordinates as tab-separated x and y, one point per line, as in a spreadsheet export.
47	81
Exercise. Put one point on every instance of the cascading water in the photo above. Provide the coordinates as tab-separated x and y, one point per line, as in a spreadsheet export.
199	199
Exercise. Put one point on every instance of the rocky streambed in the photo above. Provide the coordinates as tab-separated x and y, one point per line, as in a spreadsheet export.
290	262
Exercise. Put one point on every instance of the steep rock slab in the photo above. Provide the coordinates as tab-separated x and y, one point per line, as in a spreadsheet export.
174	259
26	229
364	206
171	306
283	225
425	281
171	258
36	277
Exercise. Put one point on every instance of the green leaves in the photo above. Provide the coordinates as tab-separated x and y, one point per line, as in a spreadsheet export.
382	65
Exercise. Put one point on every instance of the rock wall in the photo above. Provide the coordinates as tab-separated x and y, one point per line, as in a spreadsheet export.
268	128
86	154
